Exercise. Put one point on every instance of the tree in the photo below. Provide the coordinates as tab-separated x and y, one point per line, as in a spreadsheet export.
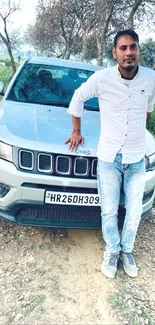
138	12
119	15
7	8
84	27
56	29
107	10
15	40
32	36
68	26
148	52
86	14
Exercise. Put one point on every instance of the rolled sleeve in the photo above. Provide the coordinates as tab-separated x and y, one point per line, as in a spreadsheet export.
87	90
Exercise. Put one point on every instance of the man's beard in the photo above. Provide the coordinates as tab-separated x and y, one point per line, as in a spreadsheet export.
129	68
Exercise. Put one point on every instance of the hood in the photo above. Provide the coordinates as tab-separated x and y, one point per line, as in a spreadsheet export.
47	124
44	126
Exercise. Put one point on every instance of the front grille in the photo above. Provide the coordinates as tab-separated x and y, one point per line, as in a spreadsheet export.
81	166
94	168
26	159
57	165
44	162
60	214
63	165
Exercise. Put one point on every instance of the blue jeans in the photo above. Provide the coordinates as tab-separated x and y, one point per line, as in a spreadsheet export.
110	177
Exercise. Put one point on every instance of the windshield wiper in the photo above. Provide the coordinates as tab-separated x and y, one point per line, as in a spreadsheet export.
90	108
62	104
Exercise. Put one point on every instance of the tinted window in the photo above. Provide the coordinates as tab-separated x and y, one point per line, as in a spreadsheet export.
44	84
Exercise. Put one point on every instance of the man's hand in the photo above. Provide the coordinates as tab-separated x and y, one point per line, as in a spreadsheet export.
75	139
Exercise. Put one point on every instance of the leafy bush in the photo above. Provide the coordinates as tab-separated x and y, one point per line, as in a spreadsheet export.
5	59
151	123
5	75
7	63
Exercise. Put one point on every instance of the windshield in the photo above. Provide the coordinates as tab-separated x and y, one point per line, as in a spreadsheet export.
49	85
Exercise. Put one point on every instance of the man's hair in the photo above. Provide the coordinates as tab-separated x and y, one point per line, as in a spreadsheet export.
126	32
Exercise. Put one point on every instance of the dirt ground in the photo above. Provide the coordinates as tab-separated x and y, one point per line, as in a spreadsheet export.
53	277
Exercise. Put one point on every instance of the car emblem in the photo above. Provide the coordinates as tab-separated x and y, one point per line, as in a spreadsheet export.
84	152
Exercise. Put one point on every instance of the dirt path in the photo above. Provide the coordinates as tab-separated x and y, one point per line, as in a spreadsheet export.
133	300
48	278
53	277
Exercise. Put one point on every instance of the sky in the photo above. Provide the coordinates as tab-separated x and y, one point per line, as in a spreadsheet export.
26	15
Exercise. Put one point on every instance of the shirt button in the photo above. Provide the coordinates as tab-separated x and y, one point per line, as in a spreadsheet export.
125	134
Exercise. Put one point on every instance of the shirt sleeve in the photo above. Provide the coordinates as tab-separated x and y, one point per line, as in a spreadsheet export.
151	102
87	90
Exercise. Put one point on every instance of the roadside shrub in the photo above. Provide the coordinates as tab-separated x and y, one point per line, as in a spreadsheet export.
3	58
7	63
151	123
5	75
6	60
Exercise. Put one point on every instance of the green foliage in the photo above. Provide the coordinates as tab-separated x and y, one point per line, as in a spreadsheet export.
6	60
7	63
148	52
108	52
5	75
151	123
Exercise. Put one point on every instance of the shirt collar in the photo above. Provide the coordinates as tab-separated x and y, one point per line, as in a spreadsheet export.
119	75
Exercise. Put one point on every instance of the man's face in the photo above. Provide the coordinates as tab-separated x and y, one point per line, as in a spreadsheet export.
126	52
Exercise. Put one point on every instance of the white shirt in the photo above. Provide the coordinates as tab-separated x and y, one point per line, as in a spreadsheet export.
123	111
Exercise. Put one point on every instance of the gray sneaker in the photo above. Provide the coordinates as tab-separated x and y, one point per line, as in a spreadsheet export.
109	264
129	264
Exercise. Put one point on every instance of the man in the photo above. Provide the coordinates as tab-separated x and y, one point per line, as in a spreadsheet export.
126	95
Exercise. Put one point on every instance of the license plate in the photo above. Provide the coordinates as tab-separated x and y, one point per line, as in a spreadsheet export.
72	199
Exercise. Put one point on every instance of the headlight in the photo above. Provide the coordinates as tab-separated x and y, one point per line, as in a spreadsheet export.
150	162
5	151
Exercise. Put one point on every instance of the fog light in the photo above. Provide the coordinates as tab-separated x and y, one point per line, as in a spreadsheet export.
3	190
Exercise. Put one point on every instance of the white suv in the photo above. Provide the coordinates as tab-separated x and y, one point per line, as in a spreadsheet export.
41	182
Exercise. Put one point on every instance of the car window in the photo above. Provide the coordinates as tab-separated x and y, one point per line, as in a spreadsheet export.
47	85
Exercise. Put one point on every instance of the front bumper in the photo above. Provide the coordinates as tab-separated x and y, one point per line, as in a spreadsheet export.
24	203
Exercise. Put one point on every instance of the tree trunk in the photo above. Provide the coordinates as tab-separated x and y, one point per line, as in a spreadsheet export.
84	47
13	65
7	43
67	54
134	7
101	47
100	52
63	53
8	46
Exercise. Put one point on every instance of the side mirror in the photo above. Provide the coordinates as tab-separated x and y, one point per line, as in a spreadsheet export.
1	88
